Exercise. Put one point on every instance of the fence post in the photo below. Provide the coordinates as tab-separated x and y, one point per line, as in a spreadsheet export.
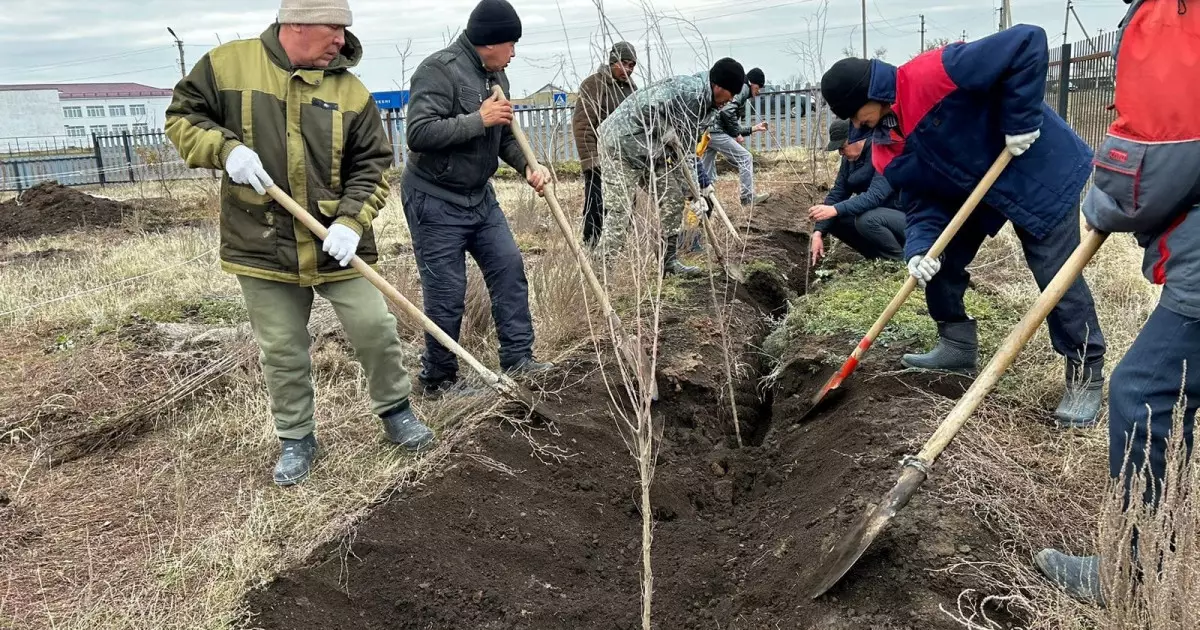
128	154
1064	82
16	170
99	160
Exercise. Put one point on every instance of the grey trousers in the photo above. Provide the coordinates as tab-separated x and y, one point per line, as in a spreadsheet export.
725	145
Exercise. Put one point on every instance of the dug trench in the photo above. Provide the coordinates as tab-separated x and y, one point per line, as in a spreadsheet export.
499	538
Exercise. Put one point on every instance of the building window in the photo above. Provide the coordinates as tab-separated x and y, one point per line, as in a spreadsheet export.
141	128
99	130
116	111
95	111
77	132
120	128
137	110
73	112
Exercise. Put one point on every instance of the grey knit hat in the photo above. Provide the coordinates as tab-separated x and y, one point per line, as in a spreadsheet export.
622	51
335	12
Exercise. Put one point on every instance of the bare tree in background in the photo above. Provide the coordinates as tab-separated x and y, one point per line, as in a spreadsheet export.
809	52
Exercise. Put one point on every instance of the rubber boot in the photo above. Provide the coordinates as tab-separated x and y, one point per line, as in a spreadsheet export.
1079	576
295	460
957	350
1080	405
402	427
756	199
529	366
672	264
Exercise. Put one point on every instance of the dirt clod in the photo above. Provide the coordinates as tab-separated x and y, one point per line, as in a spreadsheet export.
51	208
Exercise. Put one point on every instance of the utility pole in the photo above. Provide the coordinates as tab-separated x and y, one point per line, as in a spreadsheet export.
922	32
1080	23
1067	21
864	25
964	35
179	43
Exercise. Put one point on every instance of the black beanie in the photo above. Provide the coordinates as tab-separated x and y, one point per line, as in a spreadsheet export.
728	74
846	85
756	77
493	22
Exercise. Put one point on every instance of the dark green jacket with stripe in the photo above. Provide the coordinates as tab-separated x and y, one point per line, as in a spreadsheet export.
320	138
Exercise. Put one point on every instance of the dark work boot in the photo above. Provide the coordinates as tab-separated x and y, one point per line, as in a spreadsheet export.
1080	406
296	460
957	350
403	428
671	263
1079	576
433	390
529	366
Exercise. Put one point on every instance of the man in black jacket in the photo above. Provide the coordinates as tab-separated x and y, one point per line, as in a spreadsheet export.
728	135
456	130
860	208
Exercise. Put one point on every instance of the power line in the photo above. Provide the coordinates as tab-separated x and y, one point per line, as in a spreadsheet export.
81	62
116	74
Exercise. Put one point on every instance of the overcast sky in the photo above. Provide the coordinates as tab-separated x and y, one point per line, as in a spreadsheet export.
43	41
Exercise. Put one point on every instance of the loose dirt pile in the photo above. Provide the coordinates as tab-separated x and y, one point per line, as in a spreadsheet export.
51	208
499	539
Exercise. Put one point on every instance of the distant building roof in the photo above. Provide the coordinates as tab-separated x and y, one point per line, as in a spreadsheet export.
90	90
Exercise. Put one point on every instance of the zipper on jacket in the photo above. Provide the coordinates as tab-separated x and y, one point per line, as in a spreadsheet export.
1182	7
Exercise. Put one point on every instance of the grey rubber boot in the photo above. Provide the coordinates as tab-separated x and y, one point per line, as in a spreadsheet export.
756	199
1079	576
296	460
957	350
403	428
529	366
671	263
1080	405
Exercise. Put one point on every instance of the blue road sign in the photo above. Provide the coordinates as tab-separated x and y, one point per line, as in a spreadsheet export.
560	99
395	99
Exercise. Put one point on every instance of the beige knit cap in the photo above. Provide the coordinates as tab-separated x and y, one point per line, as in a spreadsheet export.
315	12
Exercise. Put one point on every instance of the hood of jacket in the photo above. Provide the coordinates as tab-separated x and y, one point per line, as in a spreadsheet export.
349	56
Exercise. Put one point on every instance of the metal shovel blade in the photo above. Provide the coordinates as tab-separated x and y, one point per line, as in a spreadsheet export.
850	548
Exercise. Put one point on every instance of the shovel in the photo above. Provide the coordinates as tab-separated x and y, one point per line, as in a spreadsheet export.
910	284
846	552
501	383
730	270
627	345
701	147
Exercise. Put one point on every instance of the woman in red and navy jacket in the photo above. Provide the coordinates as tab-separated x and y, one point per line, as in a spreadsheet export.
937	124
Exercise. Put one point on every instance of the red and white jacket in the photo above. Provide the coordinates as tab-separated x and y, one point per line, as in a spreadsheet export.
1147	178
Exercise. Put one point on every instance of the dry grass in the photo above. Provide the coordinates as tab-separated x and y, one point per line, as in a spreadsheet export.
171	531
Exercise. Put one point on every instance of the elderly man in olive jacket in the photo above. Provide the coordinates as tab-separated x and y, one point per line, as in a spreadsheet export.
599	95
457	129
284	109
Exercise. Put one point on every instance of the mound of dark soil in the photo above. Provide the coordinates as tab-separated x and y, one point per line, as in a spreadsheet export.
51	208
738	532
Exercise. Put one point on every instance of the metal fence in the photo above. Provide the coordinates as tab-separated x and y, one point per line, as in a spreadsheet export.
792	121
1081	84
110	159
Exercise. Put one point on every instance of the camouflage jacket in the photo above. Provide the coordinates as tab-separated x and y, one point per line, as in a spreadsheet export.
320	138
676	107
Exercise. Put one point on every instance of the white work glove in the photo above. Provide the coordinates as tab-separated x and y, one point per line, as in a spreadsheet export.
700	207
244	167
923	268
1021	142
341	243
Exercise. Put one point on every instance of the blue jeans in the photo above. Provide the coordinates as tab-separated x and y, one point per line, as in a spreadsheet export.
443	234
1143	392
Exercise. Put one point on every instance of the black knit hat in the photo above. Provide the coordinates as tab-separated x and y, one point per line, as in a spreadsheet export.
846	85
728	74
493	22
756	77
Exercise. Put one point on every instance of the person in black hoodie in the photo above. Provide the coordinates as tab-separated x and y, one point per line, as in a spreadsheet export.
860	208
456	131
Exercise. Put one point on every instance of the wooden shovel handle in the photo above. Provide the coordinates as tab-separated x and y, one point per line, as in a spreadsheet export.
559	217
386	288
1012	346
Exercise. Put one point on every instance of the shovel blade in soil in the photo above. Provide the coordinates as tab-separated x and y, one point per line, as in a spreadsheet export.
842	557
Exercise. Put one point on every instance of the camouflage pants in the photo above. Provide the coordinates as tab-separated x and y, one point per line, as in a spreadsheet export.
665	184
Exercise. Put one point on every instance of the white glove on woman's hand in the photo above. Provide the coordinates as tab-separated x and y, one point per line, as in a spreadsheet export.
923	268
244	167
700	207
341	243
1021	142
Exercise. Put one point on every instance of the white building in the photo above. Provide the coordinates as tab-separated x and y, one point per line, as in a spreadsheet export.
79	110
